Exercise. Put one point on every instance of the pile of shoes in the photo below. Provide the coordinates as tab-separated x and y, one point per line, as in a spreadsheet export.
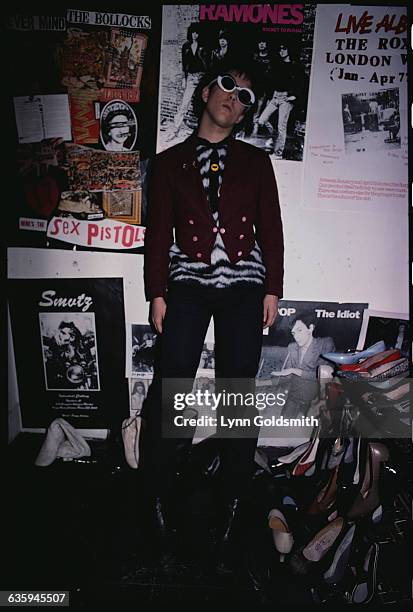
374	364
332	541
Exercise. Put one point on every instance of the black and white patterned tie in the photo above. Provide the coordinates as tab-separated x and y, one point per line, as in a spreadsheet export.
214	173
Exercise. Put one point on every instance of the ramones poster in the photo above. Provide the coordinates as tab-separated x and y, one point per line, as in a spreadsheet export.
274	40
69	346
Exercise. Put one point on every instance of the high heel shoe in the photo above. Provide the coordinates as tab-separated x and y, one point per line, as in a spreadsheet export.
398	393
336	454
282	536
323	540
368	499
364	591
320	548
373	361
297	452
307	460
129	435
325	499
355	356
338	566
229	531
388	370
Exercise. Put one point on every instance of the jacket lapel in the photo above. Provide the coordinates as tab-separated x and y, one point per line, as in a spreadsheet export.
193	176
231	172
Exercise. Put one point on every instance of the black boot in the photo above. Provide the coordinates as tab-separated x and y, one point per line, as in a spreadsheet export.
229	538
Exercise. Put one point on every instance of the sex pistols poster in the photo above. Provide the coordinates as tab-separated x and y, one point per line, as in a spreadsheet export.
276	39
357	112
106	65
69	346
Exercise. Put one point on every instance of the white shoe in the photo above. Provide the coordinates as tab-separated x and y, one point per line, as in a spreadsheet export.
297	452
282	536
129	434
137	438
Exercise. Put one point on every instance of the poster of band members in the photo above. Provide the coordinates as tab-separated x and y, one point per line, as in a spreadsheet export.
276	40
357	113
95	76
320	326
69	346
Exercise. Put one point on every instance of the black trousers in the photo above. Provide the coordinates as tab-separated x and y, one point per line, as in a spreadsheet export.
238	316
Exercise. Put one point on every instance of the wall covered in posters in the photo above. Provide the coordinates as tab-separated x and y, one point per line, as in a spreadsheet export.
84	92
85	120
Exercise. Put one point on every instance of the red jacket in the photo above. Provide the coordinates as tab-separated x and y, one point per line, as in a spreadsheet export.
248	199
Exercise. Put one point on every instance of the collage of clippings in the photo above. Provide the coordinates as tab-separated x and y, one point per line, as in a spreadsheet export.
85	138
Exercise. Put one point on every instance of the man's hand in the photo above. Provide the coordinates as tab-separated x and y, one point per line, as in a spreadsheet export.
270	310
158	313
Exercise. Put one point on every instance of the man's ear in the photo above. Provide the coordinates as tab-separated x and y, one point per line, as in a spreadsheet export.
205	94
240	118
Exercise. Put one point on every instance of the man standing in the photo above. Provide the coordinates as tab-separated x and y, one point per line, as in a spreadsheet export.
289	79
213	190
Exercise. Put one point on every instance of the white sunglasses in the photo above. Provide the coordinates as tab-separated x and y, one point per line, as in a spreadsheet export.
227	83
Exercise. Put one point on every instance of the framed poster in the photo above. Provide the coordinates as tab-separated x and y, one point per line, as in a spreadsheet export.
123	206
391	327
69	346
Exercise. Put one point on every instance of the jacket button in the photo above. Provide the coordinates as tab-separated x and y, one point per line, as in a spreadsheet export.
215	229
199	254
222	230
191	221
239	253
241	236
244	219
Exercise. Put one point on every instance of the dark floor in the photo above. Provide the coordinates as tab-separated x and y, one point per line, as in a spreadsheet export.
79	526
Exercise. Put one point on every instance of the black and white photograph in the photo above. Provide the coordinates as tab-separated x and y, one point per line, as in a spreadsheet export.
138	388
371	121
392	328
118	126
142	349
69	351
195	46
207	361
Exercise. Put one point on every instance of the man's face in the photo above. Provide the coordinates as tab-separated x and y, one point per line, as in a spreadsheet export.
262	45
223	107
283	51
301	333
